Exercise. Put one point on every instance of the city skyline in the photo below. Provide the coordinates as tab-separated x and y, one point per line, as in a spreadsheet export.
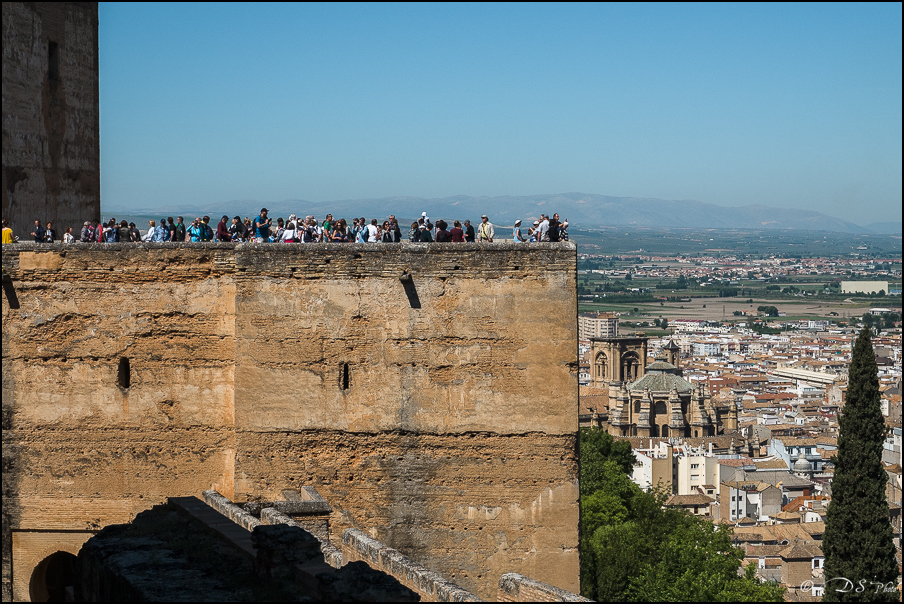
794	106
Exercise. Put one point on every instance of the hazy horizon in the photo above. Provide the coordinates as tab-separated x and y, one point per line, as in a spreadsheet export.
787	105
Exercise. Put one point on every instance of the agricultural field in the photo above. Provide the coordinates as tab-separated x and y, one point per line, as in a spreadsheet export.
707	242
721	284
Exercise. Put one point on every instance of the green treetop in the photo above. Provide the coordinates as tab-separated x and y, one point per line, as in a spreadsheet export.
634	549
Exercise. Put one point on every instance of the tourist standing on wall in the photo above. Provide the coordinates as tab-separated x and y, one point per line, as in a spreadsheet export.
135	234
485	232
389	233
180	232
360	231
262	227
554	228
38	233
8	236
456	234
543	229
396	231
469	232
223	229
340	231
111	232
125	234
425	235
161	233
194	231
516	232
373	231
442	235
49	234
237	229
87	231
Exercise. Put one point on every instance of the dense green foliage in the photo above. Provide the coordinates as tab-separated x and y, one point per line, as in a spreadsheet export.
858	539
632	549
771	311
885	320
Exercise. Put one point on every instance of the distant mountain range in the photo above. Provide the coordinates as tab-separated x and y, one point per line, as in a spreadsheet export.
585	211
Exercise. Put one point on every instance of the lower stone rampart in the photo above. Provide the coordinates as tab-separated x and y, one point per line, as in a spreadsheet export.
332	555
518	588
429	585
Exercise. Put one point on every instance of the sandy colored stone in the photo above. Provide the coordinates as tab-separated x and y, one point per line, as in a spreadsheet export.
453	442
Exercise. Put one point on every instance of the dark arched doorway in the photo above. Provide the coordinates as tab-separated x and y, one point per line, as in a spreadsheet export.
51	577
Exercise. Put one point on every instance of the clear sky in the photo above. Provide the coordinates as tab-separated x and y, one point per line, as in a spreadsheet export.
784	105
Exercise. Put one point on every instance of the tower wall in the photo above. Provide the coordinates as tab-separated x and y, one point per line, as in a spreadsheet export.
438	414
50	115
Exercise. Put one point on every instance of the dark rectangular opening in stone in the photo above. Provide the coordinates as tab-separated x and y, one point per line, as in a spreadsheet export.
53	61
125	373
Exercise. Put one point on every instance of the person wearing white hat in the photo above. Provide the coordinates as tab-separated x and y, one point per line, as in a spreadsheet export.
516	232
485	230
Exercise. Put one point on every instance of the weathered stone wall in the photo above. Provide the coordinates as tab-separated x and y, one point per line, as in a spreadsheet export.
437	414
51	142
517	588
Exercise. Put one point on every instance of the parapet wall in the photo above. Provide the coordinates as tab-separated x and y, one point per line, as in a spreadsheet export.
428	391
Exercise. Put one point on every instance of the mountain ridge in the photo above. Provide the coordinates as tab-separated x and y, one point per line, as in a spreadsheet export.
586	210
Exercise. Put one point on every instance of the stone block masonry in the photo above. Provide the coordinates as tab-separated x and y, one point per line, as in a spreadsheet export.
436	413
51	131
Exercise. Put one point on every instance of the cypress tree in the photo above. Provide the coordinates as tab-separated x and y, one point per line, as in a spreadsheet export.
858	538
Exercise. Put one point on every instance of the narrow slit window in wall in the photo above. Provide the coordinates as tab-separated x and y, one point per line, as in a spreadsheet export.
343	376
53	62
125	373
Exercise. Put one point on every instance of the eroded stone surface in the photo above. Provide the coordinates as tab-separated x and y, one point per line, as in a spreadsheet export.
452	439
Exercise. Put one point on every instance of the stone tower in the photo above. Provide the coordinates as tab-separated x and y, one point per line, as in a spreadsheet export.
618	359
51	130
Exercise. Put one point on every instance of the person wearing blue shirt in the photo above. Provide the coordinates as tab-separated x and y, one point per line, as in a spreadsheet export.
262	227
161	233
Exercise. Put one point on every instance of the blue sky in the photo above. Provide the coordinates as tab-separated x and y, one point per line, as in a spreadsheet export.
783	105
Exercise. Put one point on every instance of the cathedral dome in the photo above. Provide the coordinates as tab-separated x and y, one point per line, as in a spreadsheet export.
661	376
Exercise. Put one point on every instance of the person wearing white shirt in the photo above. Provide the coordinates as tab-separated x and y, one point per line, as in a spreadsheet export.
373	231
543	228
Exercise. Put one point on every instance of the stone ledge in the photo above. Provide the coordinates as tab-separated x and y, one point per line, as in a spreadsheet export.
518	588
332	555
230	510
299	508
429	584
508	246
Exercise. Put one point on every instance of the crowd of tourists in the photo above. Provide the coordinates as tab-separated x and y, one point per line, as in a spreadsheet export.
298	230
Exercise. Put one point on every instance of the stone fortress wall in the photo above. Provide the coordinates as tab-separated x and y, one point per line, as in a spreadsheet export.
50	115
428	392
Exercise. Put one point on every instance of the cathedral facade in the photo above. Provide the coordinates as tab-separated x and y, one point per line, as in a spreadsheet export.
653	400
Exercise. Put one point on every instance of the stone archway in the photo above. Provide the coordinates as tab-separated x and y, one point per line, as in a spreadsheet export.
630	367
601	367
51	577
